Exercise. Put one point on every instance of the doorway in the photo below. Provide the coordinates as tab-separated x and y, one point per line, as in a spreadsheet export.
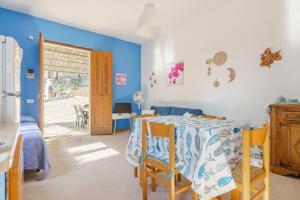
66	94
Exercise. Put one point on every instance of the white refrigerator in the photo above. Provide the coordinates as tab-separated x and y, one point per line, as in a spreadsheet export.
10	67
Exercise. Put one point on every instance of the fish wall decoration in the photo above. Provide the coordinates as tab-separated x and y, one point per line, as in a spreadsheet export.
268	58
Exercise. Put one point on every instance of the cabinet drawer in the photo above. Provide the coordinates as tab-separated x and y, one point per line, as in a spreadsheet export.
290	117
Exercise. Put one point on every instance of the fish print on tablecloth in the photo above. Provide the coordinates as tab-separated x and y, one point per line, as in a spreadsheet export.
221	166
208	175
212	140
133	126
187	171
227	142
182	150
209	189
157	145
179	168
232	161
236	149
224	181
201	172
181	131
198	143
130	144
235	140
225	132
218	151
227	152
189	144
237	130
210	158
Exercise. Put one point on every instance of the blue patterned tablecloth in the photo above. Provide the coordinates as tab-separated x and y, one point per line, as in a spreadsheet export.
206	151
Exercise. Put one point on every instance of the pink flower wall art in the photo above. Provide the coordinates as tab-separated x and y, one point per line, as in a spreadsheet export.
175	73
121	79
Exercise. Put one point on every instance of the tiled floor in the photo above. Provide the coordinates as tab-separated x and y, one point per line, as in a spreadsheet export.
94	168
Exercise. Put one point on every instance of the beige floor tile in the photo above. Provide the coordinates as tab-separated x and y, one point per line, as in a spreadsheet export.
81	172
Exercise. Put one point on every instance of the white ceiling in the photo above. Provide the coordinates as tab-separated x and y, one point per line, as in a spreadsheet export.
117	18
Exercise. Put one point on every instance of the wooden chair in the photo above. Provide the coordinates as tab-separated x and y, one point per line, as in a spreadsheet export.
165	131
212	117
249	177
135	169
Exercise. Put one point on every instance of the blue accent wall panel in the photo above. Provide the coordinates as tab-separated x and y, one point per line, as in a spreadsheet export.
126	55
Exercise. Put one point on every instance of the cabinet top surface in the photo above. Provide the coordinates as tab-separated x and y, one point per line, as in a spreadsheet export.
8	139
295	105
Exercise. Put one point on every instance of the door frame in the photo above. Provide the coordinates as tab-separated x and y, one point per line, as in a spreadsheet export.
41	76
41	83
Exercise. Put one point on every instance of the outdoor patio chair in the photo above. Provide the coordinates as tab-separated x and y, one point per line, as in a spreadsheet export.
85	116
79	116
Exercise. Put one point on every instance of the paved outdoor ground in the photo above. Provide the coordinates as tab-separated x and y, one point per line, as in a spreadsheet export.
60	117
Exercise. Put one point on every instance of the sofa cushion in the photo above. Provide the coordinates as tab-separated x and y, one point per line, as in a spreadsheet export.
161	110
181	111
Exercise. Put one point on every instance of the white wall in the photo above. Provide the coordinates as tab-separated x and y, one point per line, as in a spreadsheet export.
242	28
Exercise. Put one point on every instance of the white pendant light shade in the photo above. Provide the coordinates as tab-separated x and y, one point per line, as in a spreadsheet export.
149	25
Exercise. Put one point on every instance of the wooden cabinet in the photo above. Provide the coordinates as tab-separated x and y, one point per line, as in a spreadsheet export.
101	92
285	139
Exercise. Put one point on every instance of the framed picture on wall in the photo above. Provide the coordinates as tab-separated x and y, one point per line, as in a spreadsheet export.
120	79
175	73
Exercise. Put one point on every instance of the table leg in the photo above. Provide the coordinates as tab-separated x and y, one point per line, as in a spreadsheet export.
115	126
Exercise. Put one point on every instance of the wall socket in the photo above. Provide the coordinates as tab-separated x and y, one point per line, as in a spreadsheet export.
30	101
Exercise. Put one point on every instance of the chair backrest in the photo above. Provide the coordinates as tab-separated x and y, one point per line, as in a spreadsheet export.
80	108
212	117
160	130
254	137
145	115
76	109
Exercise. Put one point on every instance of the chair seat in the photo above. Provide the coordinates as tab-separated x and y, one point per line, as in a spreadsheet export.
238	172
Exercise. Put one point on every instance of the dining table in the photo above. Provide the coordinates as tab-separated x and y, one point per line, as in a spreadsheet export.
206	150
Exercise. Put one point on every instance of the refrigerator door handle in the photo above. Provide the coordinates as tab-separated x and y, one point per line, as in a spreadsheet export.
16	94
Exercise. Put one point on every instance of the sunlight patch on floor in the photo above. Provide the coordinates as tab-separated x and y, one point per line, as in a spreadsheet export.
89	157
86	148
91	152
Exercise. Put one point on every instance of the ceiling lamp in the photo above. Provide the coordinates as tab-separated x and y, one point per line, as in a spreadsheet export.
148	24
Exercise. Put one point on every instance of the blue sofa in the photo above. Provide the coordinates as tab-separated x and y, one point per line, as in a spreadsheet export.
162	110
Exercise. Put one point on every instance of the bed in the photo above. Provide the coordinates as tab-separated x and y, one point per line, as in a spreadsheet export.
34	147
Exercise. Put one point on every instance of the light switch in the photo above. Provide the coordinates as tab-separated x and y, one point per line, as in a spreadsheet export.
30	101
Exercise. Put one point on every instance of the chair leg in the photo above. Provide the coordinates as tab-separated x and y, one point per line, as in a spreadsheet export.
135	172
235	195
141	177
172	189
195	195
179	177
266	195
153	183
144	182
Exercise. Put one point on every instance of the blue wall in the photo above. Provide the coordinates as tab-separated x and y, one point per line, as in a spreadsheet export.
126	55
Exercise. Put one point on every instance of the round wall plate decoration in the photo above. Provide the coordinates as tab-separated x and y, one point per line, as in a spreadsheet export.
220	58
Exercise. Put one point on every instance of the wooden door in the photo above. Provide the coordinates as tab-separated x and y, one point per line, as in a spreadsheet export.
41	85
291	134
101	93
